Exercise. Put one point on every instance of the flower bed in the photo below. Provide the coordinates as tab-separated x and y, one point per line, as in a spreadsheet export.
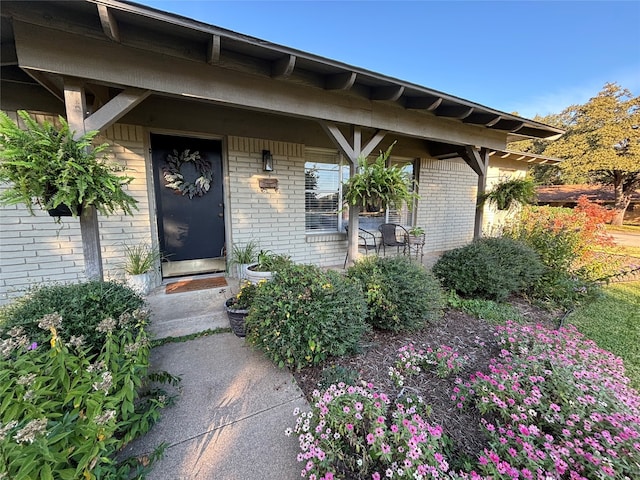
551	405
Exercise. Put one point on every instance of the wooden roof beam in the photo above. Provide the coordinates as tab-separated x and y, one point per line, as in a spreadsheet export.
508	125
109	23
423	103
443	151
115	108
283	67
475	159
458	112
43	79
482	118
390	93
8	54
65	54
350	151
213	50
340	81
373	143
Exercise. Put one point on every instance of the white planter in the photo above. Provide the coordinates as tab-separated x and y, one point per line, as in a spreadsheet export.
241	270
141	283
255	277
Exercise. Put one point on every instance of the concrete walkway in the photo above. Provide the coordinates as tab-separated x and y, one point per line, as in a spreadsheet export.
229	420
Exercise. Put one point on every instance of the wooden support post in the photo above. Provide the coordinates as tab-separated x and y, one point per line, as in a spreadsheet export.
353	151
482	186
75	102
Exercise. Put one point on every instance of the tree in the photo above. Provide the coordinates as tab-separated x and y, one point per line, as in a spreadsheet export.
544	174
603	143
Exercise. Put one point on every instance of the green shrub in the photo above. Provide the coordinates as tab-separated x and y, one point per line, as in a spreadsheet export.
65	413
491	268
560	289
401	295
494	312
82	307
567	240
335	374
304	315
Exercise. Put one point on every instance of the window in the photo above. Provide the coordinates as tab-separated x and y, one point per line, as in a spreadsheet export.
323	177
403	216
324	174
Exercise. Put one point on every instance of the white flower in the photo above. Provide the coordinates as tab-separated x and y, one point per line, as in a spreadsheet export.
29	432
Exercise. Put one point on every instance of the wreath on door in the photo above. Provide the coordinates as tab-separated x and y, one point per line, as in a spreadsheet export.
175	180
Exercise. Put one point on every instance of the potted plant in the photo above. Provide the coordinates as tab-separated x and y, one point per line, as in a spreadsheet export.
416	236
141	261
45	165
268	263
243	256
237	307
508	192
376	186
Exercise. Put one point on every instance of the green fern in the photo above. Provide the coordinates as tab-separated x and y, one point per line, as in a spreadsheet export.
44	165
377	186
509	192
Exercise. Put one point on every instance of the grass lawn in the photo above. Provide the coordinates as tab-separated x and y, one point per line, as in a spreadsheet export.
624	228
613	322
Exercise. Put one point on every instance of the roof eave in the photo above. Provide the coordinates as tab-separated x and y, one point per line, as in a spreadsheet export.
409	94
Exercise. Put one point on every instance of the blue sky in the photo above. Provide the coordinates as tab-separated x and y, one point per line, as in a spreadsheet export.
516	56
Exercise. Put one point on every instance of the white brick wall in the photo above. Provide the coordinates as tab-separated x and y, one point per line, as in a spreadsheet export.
276	220
36	250
493	219
446	208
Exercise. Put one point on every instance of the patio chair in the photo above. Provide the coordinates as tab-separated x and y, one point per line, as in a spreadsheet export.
393	235
366	242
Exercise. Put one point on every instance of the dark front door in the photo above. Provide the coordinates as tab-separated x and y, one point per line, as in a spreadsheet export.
190	210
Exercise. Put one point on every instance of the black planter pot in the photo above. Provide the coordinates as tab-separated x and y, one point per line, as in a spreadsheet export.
63	211
236	318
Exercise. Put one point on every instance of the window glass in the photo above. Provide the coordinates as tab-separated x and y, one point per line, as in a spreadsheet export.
323	196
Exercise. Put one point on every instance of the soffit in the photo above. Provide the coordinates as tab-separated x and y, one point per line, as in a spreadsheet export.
142	27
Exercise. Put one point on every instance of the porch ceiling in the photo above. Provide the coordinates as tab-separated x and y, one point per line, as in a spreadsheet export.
296	82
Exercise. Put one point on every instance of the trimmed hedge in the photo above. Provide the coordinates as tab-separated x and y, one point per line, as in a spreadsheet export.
401	295
491	268
82	307
304	315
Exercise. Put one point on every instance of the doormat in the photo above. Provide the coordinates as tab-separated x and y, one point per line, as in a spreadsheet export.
197	284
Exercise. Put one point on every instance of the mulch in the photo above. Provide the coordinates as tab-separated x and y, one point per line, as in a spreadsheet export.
465	334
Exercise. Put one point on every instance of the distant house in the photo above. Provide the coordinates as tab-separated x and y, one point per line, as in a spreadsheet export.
567	195
266	119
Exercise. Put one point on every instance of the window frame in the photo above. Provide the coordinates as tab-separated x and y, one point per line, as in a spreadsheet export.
327	157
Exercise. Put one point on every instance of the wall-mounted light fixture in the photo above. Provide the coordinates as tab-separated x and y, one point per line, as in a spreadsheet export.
267	161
